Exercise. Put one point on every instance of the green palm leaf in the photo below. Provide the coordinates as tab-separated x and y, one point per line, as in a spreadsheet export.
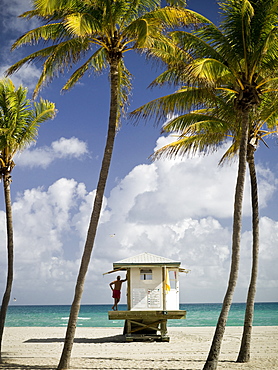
19	121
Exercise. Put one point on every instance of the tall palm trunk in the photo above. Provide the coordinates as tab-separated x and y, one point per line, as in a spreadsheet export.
213	356
10	249
244	353
75	307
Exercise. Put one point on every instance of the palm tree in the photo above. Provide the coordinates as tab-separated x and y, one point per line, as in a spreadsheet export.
239	60
257	133
105	30
208	129
19	123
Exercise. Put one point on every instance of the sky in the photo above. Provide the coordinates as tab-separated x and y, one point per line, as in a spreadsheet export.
180	209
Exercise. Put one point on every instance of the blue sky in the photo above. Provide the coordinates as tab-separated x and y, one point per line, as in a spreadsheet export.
178	209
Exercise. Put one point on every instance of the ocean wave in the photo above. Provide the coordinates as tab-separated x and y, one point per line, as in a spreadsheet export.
79	318
84	318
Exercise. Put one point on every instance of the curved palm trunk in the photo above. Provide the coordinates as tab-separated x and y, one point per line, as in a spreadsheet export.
213	356
244	353
75	307
10	249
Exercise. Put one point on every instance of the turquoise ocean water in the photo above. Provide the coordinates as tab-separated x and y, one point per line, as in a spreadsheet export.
266	314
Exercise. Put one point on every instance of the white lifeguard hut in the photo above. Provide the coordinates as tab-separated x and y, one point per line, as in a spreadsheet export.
152	296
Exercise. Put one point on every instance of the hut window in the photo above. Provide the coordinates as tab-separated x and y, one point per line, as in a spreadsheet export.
173	279
146	274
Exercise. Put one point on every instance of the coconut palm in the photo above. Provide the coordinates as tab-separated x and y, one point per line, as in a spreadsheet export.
103	30
237	59
257	134
19	123
208	129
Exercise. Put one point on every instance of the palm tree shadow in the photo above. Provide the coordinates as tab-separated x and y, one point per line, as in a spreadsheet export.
14	366
7	366
111	339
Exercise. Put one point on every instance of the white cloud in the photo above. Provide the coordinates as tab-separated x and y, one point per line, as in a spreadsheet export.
44	156
12	27
163	208
268	254
43	235
187	188
27	76
267	184
69	147
11	9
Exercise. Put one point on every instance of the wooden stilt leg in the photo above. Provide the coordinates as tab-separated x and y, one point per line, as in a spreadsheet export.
163	329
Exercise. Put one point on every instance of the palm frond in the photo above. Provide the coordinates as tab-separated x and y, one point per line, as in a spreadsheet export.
19	121
194	45
174	104
124	87
43	111
53	31
230	154
196	122
39	56
97	62
236	20
139	31
201	143
46	8
208	71
79	24
62	57
172	17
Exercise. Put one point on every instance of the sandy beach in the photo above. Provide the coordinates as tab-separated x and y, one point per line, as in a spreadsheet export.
105	348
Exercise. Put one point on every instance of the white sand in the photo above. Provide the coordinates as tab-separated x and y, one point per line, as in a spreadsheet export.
105	348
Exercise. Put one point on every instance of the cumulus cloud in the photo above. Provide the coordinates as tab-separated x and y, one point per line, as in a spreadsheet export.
27	76
69	147
164	208
44	156
43	235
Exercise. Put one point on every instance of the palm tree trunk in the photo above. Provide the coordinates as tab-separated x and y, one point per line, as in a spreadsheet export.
10	249
213	356
244	353
75	307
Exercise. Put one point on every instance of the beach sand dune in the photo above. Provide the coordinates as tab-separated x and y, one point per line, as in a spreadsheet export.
27	348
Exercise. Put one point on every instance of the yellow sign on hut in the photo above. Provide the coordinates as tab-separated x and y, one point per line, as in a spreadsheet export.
152	296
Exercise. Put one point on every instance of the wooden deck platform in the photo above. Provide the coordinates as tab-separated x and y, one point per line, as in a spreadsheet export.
132	314
144	325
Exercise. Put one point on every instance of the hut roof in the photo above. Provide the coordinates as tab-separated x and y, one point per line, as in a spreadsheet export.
145	259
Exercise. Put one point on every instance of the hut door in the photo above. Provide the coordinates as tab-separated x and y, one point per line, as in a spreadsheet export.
172	296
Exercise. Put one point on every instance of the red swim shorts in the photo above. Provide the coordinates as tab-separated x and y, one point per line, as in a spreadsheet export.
116	294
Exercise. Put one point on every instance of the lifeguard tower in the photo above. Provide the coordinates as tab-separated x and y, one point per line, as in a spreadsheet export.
152	296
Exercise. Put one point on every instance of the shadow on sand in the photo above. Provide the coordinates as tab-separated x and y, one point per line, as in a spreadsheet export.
7	366
14	366
111	339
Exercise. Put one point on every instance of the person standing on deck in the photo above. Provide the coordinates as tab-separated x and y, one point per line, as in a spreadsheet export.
116	291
